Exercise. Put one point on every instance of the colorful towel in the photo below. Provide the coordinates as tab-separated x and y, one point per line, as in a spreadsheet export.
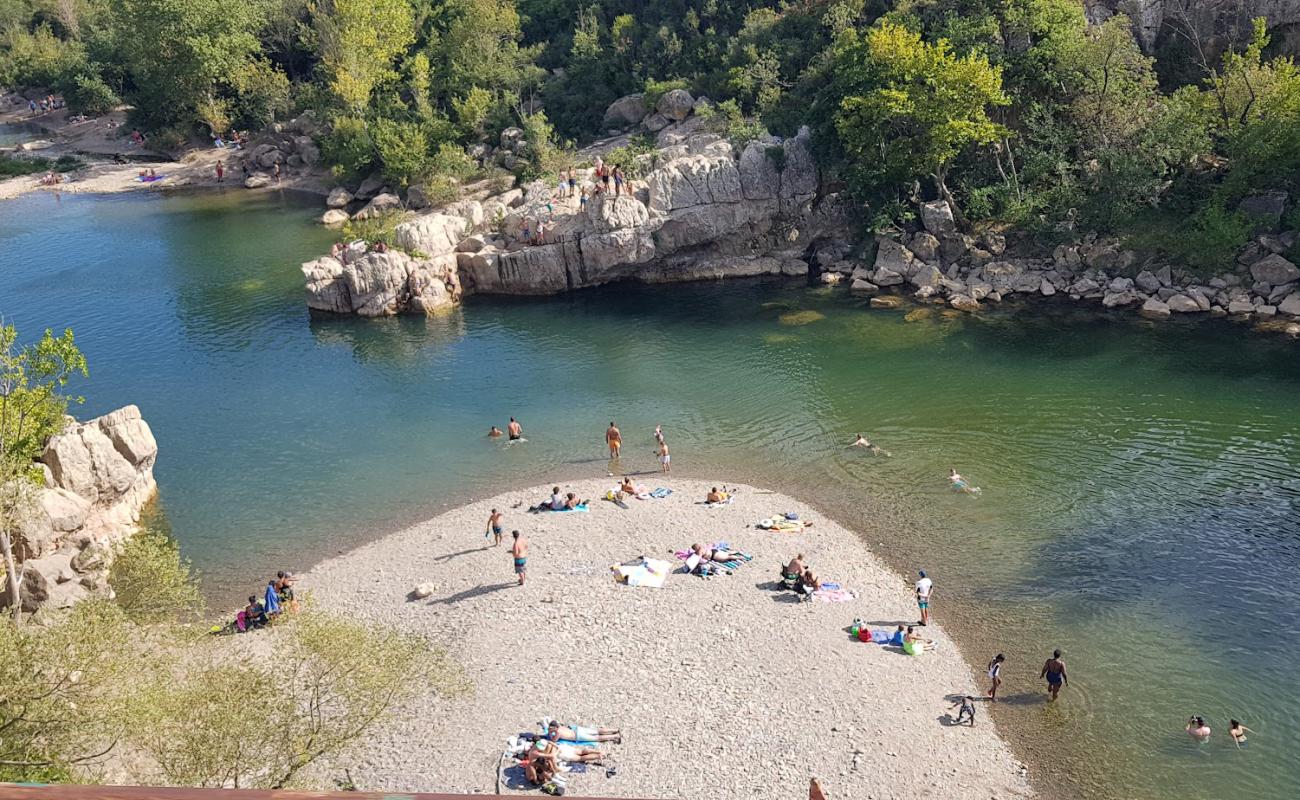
272	599
660	493
833	595
650	572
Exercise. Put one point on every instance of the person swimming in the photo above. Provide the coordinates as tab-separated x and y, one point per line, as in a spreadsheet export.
1238	733
959	484
515	430
494	432
861	441
1198	729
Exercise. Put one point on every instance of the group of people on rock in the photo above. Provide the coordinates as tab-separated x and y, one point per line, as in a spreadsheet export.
534	231
46	104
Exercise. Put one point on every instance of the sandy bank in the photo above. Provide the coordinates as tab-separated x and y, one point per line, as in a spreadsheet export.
723	687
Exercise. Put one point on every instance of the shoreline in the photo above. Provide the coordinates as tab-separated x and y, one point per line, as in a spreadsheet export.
574	644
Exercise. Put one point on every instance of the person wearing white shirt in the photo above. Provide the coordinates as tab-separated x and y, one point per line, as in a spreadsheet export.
924	589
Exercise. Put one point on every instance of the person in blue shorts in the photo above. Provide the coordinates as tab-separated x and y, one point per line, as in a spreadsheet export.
1054	671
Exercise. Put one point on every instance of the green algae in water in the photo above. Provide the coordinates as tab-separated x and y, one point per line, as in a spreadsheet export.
805	317
779	338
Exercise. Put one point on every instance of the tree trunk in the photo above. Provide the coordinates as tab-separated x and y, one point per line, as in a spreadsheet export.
15	582
944	193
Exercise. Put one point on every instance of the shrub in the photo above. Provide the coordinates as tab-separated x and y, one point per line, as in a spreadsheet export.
88	94
403	149
263	93
375	229
453	162
150	579
726	119
347	148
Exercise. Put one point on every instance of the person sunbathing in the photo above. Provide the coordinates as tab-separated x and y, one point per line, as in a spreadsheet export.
577	733
571	501
716	496
916	640
563	751
712	554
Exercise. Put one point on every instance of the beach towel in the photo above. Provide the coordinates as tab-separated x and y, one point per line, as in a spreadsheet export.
833	595
272	601
149	178
726	502
650	572
660	493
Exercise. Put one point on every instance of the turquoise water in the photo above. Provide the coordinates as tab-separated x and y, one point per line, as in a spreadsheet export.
1140	491
12	133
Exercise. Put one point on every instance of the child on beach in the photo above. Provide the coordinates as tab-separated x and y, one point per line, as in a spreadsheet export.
967	711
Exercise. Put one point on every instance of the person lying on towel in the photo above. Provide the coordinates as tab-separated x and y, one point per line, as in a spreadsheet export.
578	733
722	556
716	496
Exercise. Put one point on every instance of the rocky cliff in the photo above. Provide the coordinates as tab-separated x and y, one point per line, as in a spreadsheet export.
98	478
702	210
1214	23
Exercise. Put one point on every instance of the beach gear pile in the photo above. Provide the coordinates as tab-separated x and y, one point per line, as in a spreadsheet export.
642	571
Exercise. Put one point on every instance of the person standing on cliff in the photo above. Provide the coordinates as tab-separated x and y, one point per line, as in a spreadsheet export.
614	438
515	430
520	553
924	589
494	527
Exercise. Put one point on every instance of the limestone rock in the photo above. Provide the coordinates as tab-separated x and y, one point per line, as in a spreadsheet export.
887	301
656	122
925	246
964	302
1240	307
1275	270
1114	299
92	558
380	204
1165	276
258	180
1147	281
430	234
937	218
860	286
338	198
1266	208
34	590
626	111
608	212
334	217
1045	288
1182	304
369	187
1291	305
1154	309
675	104
926	275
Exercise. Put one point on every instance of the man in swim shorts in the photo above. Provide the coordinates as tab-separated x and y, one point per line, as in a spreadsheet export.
578	733
520	553
665	460
494	527
614	439
1054	671
515	430
924	589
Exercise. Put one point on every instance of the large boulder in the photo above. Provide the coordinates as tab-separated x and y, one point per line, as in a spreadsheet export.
1182	304
675	104
925	246
608	212
1274	270
369	187
430	234
325	289
926	275
693	181
333	217
1154	309
655	123
760	179
338	198
626	111
380	204
1290	305
937	218
377	283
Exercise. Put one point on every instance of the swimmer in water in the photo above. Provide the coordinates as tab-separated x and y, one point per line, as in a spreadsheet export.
959	483
861	441
1197	728
1238	733
1054	671
494	433
515	430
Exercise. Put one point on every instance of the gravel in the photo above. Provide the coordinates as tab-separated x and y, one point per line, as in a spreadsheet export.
723	687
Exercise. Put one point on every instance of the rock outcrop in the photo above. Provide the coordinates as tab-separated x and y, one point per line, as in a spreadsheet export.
701	212
98	478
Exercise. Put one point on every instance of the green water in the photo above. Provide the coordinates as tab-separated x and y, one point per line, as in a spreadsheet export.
1139	504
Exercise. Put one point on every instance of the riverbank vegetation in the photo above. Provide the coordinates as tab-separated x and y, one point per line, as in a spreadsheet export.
1018	111
139	674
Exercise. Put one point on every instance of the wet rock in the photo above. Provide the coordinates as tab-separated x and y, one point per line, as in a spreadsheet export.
887	301
1154	309
334	217
338	198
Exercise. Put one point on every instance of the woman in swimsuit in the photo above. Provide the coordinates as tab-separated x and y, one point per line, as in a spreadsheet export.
1238	733
1054	671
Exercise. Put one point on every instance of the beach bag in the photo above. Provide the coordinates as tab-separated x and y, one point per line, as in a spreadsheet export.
790	515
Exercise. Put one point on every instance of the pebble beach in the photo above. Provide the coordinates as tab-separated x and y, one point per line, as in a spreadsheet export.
723	687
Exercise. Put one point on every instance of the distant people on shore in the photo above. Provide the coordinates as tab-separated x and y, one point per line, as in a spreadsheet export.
519	552
924	591
221	171
665	459
914	644
1054	671
995	676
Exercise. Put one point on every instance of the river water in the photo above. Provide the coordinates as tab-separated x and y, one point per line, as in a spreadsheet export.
1139	480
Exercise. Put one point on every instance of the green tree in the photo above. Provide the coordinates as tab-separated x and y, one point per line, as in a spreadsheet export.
180	55
262	93
907	108
480	48
360	41
151	581
403	149
32	408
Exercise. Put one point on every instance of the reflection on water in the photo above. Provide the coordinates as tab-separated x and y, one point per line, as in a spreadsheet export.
1139	505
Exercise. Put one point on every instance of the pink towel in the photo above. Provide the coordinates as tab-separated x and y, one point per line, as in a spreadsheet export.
833	595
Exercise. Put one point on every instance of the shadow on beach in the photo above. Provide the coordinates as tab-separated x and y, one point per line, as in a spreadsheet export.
469	594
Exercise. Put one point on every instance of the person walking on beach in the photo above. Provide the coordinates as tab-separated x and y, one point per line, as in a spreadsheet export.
494	527
1054	671
515	430
665	460
614	439
519	551
995	676
924	590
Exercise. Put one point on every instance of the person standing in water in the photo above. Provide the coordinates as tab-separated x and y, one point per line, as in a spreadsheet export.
665	460
924	589
519	551
515	430
494	527
494	432
659	434
995	676
1054	671
1197	729
1238	733
614	439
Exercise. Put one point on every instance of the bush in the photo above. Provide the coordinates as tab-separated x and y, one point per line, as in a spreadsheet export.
543	156
348	148
375	229
452	161
726	119
168	140
403	149
263	94
151	581
12	167
88	94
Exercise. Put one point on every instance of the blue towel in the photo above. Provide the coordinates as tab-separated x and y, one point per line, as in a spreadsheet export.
660	493
272	601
